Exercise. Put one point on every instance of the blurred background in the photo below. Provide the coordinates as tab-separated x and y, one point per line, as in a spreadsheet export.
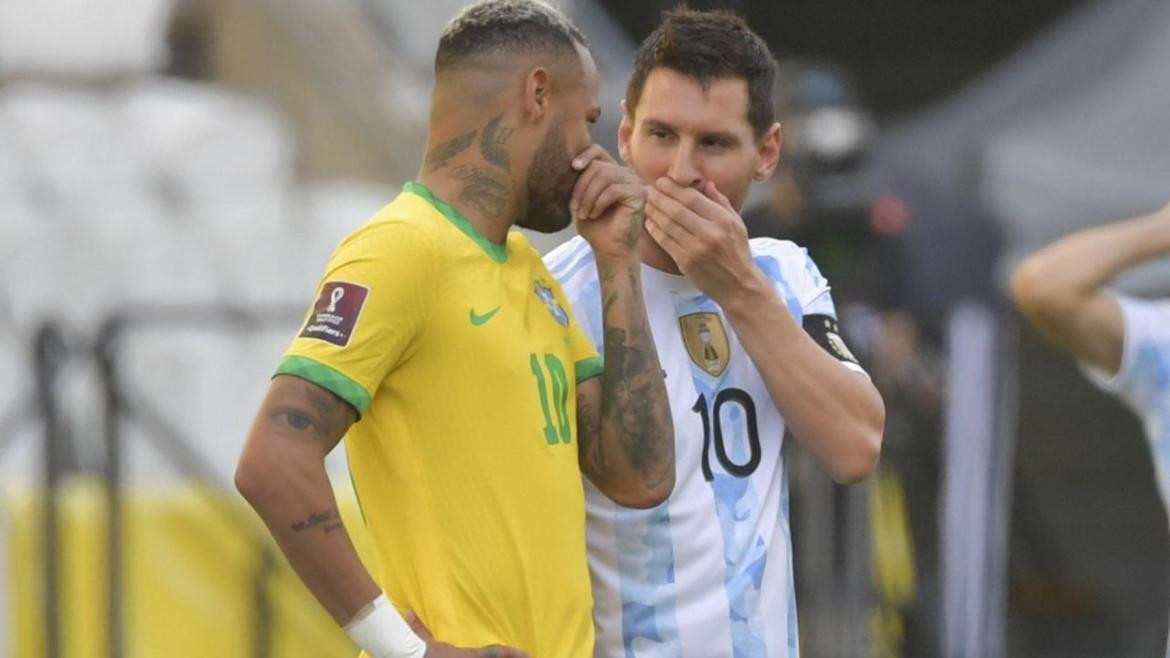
175	173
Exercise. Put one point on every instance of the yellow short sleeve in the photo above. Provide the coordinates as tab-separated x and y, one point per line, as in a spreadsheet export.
370	307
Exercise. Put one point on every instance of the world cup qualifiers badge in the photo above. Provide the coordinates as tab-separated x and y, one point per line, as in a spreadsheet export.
546	295
336	312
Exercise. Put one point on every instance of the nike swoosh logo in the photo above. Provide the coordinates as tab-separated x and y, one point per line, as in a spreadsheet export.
477	319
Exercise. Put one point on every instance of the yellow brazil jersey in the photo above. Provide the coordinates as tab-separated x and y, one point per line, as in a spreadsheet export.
462	359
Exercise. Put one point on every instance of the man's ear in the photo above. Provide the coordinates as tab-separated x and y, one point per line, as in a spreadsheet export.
625	131
768	153
536	93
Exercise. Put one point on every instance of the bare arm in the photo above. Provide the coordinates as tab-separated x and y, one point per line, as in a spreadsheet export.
1060	288
624	428
626	435
836	413
282	475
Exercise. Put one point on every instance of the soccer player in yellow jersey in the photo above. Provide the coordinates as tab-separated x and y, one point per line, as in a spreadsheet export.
441	347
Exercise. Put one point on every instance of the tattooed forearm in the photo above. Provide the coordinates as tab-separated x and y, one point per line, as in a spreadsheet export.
634	230
491	144
329	520
482	189
438	157
633	399
591	450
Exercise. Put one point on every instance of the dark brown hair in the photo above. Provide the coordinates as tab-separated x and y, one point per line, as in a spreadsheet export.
709	46
506	26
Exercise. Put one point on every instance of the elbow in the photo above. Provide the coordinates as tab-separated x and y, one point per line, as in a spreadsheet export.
860	461
1037	294
651	496
253	480
864	448
644	495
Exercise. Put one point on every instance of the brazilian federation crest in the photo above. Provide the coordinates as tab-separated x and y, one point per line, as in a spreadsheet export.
546	295
706	341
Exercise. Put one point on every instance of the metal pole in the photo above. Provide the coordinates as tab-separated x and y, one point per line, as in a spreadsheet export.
49	353
106	349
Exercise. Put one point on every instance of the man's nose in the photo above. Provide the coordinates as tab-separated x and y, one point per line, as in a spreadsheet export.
683	168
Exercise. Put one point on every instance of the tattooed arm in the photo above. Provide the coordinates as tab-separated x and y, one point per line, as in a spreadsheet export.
624	428
282	475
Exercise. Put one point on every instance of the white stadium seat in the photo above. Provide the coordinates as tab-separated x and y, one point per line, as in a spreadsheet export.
63	37
225	160
77	160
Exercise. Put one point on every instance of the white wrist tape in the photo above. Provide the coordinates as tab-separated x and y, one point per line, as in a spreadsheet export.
383	633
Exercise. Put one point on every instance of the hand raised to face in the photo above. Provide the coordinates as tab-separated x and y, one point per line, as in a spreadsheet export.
608	203
702	232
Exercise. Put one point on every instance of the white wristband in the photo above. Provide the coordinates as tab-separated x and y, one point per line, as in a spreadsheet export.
383	633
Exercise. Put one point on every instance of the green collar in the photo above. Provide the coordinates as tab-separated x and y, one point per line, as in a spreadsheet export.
498	252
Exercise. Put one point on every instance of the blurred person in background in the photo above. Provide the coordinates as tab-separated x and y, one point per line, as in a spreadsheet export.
1122	342
750	345
441	347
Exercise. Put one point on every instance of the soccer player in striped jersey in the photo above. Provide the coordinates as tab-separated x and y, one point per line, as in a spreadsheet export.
444	351
1122	342
749	343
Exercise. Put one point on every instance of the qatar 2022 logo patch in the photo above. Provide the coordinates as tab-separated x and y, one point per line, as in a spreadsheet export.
545	293
336	312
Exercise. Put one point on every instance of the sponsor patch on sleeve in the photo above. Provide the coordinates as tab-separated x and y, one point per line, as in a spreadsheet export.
336	312
827	334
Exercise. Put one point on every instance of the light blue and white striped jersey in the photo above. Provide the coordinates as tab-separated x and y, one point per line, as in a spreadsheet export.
708	573
1143	381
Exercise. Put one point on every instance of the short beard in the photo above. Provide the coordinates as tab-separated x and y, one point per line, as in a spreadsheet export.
550	184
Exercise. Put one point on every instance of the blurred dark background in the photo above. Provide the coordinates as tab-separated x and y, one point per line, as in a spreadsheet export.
903	54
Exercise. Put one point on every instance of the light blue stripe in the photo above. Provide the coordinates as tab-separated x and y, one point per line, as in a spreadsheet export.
586	260
647	586
793	626
574	253
737	506
771	267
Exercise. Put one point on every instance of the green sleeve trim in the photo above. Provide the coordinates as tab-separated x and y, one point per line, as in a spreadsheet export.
327	378
588	368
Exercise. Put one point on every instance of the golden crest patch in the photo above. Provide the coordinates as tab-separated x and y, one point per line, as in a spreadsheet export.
706	341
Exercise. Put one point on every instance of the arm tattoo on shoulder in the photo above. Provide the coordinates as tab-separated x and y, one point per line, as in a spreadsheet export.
312	408
329	520
438	157
482	189
491	144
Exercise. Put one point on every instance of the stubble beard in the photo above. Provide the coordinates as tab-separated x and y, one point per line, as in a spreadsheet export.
550	184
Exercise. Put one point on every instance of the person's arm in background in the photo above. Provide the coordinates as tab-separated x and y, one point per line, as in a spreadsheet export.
834	412
282	475
1060	289
624	427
